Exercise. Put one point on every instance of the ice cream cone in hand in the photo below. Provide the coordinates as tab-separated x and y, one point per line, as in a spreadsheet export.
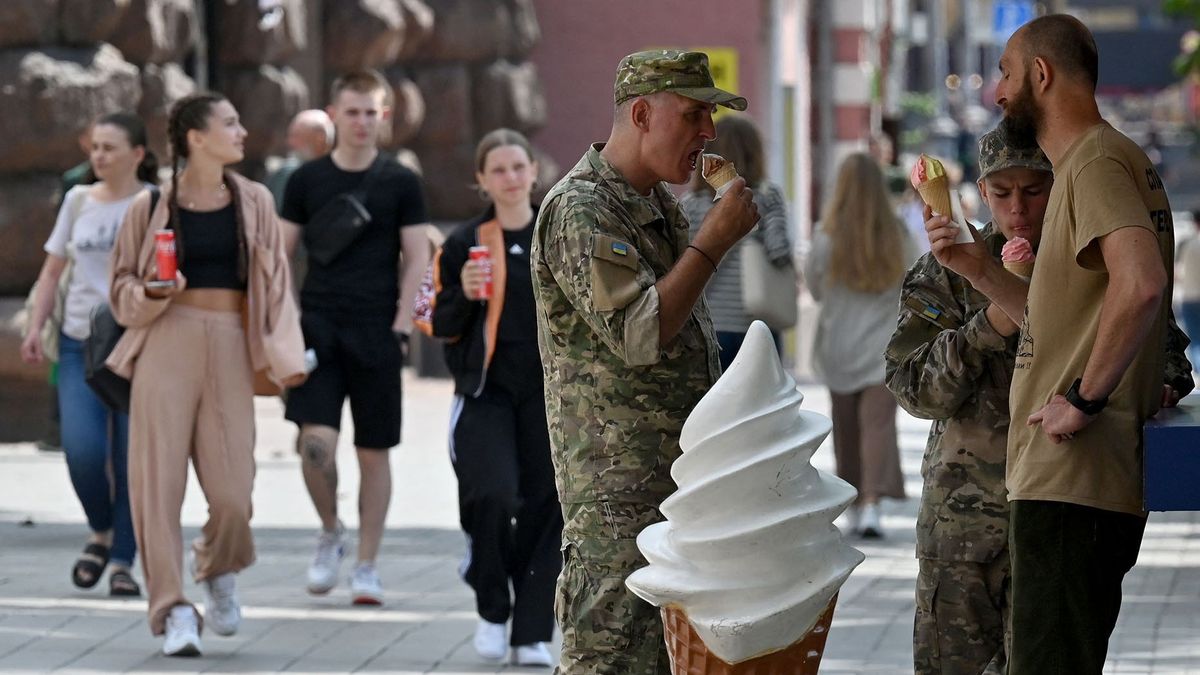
929	177
690	656
1018	257
718	171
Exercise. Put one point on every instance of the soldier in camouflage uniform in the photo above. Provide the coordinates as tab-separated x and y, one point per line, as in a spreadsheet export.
627	344
951	360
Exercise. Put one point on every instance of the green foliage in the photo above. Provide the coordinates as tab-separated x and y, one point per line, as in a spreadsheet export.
1188	61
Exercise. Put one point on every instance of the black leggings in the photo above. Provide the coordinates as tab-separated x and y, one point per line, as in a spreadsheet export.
501	454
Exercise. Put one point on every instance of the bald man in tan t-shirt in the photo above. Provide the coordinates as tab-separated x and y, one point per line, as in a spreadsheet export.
1089	367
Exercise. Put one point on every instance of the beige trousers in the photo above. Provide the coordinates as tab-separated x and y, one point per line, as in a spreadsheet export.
193	398
864	443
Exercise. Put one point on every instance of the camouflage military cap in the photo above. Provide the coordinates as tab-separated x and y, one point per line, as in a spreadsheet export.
684	73
995	153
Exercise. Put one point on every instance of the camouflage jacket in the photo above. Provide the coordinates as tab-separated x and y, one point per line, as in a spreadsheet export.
946	363
615	400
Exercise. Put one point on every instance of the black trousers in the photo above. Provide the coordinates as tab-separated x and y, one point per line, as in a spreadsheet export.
508	506
1068	562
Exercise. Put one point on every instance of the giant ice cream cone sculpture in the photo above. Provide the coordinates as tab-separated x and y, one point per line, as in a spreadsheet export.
748	564
929	177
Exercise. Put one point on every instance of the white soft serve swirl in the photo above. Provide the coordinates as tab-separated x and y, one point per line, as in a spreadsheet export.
749	551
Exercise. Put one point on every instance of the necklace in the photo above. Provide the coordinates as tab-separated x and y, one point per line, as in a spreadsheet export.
220	197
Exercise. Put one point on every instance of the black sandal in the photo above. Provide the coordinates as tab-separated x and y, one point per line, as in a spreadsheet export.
92	564
122	584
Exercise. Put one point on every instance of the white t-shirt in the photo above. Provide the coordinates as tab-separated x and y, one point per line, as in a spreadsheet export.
90	242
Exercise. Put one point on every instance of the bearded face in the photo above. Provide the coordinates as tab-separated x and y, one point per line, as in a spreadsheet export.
1022	117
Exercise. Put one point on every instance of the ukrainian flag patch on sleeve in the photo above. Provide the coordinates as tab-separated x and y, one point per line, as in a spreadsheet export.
932	312
620	248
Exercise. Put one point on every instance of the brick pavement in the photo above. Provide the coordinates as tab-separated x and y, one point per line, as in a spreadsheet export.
48	626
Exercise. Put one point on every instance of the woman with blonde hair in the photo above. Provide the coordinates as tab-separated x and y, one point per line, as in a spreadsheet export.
857	264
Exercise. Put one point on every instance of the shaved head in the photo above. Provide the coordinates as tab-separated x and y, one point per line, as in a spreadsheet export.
1065	43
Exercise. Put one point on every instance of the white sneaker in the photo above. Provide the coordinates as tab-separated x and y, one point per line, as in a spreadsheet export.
365	588
535	654
848	521
868	524
183	633
323	572
491	640
221	609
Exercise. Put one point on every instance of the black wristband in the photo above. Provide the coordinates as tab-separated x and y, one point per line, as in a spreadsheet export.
706	256
1089	408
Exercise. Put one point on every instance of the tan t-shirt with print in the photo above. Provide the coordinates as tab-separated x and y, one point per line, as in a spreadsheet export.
1102	184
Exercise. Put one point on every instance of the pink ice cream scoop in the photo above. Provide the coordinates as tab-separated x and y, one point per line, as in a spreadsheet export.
1017	250
1018	257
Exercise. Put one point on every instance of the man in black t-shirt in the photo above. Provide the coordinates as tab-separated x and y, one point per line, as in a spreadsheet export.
357	316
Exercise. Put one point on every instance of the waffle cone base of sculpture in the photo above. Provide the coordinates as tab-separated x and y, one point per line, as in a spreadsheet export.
690	656
936	193
1021	269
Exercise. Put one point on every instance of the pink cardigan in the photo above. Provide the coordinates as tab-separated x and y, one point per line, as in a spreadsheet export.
275	341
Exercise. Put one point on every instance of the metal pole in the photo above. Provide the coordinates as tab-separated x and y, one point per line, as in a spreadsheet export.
937	42
776	131
823	90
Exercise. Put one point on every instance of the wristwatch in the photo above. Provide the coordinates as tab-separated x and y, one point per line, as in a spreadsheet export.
1089	408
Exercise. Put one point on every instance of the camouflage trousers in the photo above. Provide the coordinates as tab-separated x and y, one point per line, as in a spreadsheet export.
607	630
962	624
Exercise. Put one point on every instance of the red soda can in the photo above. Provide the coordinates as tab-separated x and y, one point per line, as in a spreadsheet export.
164	249
481	255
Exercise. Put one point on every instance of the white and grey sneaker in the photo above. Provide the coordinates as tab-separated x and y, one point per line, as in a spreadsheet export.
869	526
365	588
491	640
535	654
323	572
183	632
221	608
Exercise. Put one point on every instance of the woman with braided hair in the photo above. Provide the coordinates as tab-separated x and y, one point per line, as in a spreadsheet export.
191	352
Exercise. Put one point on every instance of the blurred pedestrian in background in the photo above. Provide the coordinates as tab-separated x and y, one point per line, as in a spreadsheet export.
1187	288
739	141
860	253
191	351
507	500
309	136
94	437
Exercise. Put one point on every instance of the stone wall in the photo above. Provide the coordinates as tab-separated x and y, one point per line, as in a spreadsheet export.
459	69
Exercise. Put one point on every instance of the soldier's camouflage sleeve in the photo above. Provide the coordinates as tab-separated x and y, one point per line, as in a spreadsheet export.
937	353
599	272
1179	369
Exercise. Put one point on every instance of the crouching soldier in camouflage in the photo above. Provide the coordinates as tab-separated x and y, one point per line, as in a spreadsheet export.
627	345
951	360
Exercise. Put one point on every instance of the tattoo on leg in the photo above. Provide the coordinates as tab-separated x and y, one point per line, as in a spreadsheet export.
314	451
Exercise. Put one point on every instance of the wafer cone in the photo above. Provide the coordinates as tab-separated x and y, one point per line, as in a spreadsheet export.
690	656
722	176
1021	269
936	193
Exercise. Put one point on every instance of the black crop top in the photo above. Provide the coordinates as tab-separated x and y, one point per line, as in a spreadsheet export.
210	248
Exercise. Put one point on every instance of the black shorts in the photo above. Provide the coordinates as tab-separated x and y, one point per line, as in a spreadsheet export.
357	357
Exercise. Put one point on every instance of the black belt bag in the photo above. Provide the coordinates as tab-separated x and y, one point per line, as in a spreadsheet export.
331	230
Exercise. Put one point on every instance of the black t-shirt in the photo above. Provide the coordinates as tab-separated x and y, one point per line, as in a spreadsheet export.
517	365
209	242
362	278
518	322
